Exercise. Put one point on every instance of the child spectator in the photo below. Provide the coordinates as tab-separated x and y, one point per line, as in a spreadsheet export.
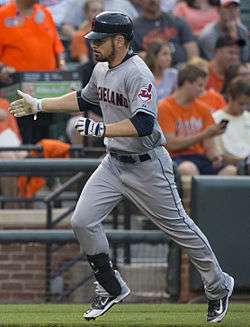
213	99
234	144
158	58
190	128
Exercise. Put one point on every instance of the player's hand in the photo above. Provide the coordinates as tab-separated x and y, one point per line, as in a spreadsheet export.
25	106
88	127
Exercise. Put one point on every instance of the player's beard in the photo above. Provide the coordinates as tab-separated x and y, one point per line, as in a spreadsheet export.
109	58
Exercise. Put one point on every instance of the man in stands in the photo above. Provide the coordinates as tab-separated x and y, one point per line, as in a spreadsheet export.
229	23
190	128
155	25
227	52
29	42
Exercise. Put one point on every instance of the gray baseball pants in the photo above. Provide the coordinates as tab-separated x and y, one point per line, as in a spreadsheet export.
151	187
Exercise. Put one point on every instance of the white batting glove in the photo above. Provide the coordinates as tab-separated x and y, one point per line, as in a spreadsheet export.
88	127
25	106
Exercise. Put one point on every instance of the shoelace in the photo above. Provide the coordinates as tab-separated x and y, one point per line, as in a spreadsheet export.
100	294
100	291
213	305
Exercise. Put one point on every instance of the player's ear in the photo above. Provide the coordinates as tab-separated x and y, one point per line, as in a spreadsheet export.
120	40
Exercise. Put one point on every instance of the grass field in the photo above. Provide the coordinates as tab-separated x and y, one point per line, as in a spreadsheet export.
122	315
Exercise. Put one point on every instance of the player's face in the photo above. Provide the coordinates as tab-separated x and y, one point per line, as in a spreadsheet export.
104	49
240	104
164	57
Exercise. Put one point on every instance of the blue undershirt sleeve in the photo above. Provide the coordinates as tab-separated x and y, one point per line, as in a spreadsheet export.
143	123
87	106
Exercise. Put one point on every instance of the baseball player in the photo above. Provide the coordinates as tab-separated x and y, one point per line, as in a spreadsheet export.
136	165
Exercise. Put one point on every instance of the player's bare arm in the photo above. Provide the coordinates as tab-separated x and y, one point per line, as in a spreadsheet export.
29	105
121	128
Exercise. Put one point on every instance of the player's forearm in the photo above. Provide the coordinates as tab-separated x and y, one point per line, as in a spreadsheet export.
65	103
121	128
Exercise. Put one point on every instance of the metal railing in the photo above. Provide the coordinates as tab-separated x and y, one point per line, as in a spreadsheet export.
81	169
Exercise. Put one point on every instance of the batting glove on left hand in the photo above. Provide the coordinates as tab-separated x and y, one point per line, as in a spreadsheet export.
88	127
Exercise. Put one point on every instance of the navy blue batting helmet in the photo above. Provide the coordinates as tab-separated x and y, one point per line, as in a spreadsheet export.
110	23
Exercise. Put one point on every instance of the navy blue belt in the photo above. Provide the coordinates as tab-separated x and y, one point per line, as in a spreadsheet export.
131	158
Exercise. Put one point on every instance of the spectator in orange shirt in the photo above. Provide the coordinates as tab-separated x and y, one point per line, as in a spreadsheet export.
28	37
79	48
190	128
10	120
198	13
212	98
29	42
227	52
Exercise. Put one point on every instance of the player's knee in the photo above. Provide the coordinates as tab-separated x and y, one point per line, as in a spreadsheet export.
78	222
188	168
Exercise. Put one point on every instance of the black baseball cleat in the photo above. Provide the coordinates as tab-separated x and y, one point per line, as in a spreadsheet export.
217	309
103	301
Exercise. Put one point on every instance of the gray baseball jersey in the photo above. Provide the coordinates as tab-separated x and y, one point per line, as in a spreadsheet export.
122	92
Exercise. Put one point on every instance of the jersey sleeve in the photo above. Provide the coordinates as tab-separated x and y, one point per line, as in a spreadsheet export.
142	95
89	92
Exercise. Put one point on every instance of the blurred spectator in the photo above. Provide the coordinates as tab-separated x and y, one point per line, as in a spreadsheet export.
227	52
28	37
158	58
198	13
229	23
190	128
242	69
5	74
8	138
155	25
125	6
79	47
29	42
67	14
10	120
168	5
234	144
3	2
213	99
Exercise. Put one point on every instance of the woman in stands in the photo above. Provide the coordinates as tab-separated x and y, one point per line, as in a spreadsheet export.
158	58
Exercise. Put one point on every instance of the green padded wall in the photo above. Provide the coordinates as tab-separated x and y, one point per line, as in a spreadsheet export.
221	208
